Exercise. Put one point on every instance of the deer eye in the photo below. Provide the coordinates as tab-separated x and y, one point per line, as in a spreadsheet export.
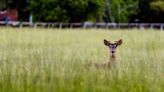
110	45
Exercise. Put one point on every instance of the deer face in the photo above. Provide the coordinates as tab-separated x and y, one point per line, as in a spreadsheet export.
113	46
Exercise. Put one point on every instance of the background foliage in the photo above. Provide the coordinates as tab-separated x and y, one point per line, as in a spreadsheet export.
66	10
88	10
150	11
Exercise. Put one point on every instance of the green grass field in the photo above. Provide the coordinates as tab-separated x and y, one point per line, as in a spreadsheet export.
54	60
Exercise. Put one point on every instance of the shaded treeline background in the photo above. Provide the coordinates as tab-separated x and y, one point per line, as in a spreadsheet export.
88	10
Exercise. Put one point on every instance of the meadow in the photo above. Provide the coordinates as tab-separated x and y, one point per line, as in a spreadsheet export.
54	60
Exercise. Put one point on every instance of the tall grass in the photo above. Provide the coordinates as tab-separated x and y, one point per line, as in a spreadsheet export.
53	60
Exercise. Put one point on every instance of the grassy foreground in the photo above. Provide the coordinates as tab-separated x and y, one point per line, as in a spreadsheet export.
53	60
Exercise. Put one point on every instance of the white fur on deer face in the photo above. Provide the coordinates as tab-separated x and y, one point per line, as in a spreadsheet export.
112	48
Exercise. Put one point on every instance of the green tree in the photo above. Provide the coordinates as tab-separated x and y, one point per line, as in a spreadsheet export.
157	6
66	10
151	11
2	4
122	10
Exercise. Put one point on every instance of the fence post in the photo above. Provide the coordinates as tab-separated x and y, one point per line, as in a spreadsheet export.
20	25
151	26
35	25
141	27
60	25
161	27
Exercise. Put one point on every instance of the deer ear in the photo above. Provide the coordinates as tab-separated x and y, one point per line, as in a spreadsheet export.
119	42
106	42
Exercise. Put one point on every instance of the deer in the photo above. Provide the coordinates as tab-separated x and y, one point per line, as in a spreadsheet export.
112	55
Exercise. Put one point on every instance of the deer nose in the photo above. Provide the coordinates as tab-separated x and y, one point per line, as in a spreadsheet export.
112	51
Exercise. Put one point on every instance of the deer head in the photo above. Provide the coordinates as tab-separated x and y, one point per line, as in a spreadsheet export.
113	46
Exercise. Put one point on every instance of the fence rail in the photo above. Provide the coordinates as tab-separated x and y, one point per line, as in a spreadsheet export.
140	26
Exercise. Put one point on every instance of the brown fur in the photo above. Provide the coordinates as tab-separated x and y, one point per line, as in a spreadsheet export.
112	57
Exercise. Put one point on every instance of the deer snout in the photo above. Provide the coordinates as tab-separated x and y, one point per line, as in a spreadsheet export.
112	51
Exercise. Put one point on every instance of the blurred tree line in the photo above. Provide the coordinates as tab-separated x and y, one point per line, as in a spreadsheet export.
88	10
